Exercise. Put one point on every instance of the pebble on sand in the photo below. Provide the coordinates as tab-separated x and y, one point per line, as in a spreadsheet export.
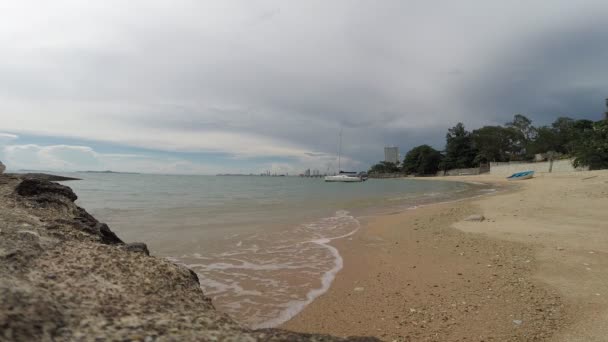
475	218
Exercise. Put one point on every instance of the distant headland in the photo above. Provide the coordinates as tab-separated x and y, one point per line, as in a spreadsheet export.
109	171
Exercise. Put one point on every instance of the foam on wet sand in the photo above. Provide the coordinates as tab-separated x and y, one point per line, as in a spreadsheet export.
267	278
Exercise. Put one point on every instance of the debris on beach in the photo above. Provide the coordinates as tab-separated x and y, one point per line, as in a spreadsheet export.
475	218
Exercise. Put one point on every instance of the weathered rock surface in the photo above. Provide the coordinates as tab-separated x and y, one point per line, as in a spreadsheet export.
44	176
31	187
137	247
64	276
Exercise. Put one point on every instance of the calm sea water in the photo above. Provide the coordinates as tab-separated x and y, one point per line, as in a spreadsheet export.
260	245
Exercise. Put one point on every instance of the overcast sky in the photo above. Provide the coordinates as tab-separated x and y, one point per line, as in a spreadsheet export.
246	86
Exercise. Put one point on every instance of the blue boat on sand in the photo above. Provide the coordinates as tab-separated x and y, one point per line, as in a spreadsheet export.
521	175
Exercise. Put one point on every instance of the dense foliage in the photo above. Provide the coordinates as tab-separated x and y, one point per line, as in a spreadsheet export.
384	167
496	143
422	160
518	140
592	150
459	149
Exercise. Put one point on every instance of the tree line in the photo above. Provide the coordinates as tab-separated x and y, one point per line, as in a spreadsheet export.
518	140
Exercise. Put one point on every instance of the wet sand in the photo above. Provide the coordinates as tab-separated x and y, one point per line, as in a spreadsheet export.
535	269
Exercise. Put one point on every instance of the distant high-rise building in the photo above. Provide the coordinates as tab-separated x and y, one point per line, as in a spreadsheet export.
391	154
606	114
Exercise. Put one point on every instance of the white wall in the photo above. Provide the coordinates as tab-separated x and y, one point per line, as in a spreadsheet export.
458	172
563	165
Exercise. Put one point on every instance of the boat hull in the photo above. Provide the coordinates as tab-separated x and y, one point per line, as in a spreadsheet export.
344	179
521	175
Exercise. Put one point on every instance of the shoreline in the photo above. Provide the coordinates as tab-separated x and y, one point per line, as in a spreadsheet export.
261	295
529	305
329	276
326	281
422	282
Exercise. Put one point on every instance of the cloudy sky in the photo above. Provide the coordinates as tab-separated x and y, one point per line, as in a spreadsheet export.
246	86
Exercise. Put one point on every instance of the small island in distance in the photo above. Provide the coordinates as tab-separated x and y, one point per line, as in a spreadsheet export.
109	171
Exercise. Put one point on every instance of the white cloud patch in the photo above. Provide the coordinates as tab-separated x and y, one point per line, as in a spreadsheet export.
8	136
55	157
85	158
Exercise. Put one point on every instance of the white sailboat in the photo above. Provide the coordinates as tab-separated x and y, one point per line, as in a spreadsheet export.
343	176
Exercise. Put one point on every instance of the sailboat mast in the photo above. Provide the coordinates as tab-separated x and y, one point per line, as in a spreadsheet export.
340	151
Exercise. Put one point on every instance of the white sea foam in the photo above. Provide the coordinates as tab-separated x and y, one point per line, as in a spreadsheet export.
268	285
476	183
247	266
294	307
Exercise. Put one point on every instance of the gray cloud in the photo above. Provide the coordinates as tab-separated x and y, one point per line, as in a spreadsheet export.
558	72
270	78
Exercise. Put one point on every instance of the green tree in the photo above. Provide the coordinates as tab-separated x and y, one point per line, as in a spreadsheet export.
524	126
496	143
565	134
422	160
384	167
459	150
546	140
523	136
562	136
592	150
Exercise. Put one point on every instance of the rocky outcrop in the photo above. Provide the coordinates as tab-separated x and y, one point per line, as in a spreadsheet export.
64	276
39	189
45	177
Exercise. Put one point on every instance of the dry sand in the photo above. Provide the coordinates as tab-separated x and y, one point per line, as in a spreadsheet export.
535	269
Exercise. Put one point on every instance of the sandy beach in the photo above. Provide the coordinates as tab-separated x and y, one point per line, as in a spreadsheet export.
534	269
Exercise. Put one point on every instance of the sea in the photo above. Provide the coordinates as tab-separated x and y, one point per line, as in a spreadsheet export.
261	245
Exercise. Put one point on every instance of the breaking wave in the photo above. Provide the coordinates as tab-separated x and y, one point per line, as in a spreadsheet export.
264	279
